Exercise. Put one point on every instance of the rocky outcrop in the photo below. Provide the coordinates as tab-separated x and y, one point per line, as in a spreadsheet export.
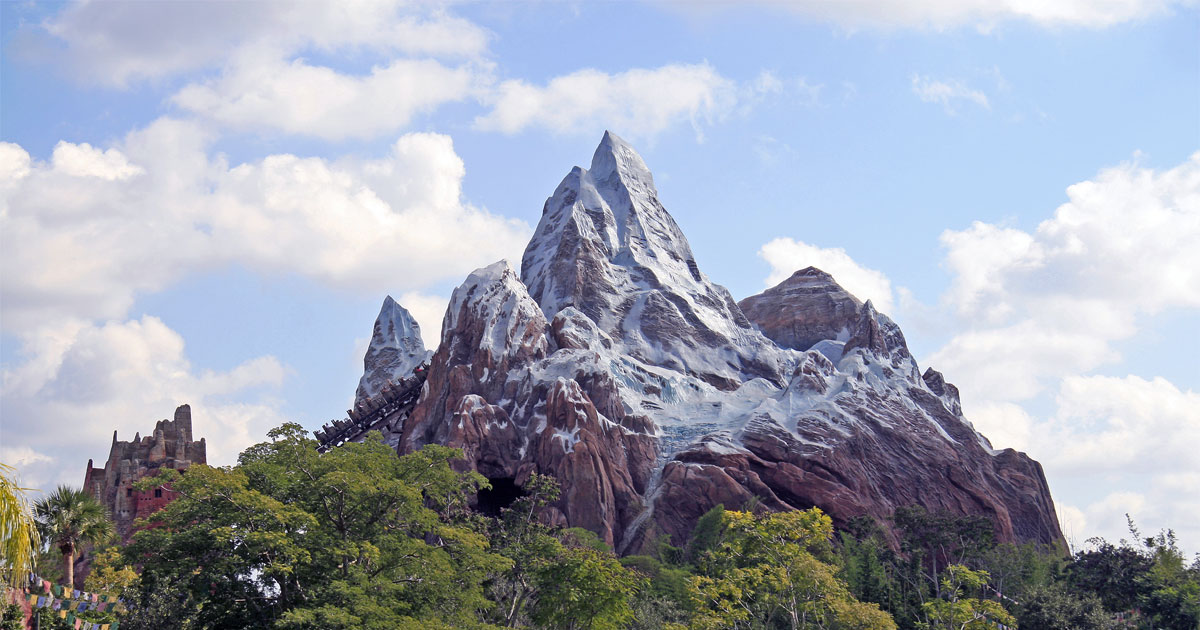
502	388
818	309
615	365
396	350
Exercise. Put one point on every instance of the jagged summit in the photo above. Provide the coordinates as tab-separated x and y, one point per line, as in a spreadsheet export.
606	246
396	349
617	162
615	365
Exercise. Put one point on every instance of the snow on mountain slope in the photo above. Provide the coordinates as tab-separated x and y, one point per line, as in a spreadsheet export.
614	364
606	246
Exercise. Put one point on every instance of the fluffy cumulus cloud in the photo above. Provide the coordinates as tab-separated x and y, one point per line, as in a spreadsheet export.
1040	311
298	98
1042	305
949	94
981	14
248	69
86	232
116	43
80	381
640	102
1109	430
786	256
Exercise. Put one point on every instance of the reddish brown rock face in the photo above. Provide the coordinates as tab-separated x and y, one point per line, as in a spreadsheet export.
501	389
649	394
806	308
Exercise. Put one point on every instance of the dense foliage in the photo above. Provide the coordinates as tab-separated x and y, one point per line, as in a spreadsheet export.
361	538
950	568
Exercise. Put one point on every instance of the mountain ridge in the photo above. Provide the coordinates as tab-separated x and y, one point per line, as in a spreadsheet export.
614	364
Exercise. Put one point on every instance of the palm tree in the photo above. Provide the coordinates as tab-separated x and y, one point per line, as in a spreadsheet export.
18	532
70	518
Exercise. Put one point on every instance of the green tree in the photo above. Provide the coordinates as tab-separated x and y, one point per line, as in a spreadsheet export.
69	518
765	573
939	539
1057	608
957	612
19	540
585	589
109	574
291	538
529	544
13	618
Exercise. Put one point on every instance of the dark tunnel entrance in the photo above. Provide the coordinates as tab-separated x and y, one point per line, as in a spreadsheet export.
502	494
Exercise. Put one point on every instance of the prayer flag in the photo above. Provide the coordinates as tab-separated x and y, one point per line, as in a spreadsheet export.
47	585
41	602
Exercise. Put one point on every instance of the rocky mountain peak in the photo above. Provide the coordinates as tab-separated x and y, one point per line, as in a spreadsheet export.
616	162
805	309
615	365
396	349
606	246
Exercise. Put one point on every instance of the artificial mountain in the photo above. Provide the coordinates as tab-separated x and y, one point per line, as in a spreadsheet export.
613	363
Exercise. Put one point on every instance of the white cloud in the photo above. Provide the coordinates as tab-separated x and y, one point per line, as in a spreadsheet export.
21	456
83	247
981	14
119	42
1043	305
83	160
1039	311
298	98
639	102
79	383
948	94
1126	424
786	256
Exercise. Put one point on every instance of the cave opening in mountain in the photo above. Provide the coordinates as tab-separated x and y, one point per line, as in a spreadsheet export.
503	492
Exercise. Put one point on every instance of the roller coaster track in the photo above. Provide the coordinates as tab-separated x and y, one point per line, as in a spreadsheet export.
395	401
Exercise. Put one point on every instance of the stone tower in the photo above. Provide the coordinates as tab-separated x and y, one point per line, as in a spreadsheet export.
170	446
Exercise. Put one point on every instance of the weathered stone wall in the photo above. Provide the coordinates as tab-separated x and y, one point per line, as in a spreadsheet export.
169	446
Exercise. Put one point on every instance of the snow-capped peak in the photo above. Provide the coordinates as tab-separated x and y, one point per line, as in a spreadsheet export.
616	159
606	246
396	349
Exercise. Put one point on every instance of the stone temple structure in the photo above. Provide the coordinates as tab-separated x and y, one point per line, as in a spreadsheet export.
170	446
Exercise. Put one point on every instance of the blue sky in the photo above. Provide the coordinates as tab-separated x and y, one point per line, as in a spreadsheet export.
207	202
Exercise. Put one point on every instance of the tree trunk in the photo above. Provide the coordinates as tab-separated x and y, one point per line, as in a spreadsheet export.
68	554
